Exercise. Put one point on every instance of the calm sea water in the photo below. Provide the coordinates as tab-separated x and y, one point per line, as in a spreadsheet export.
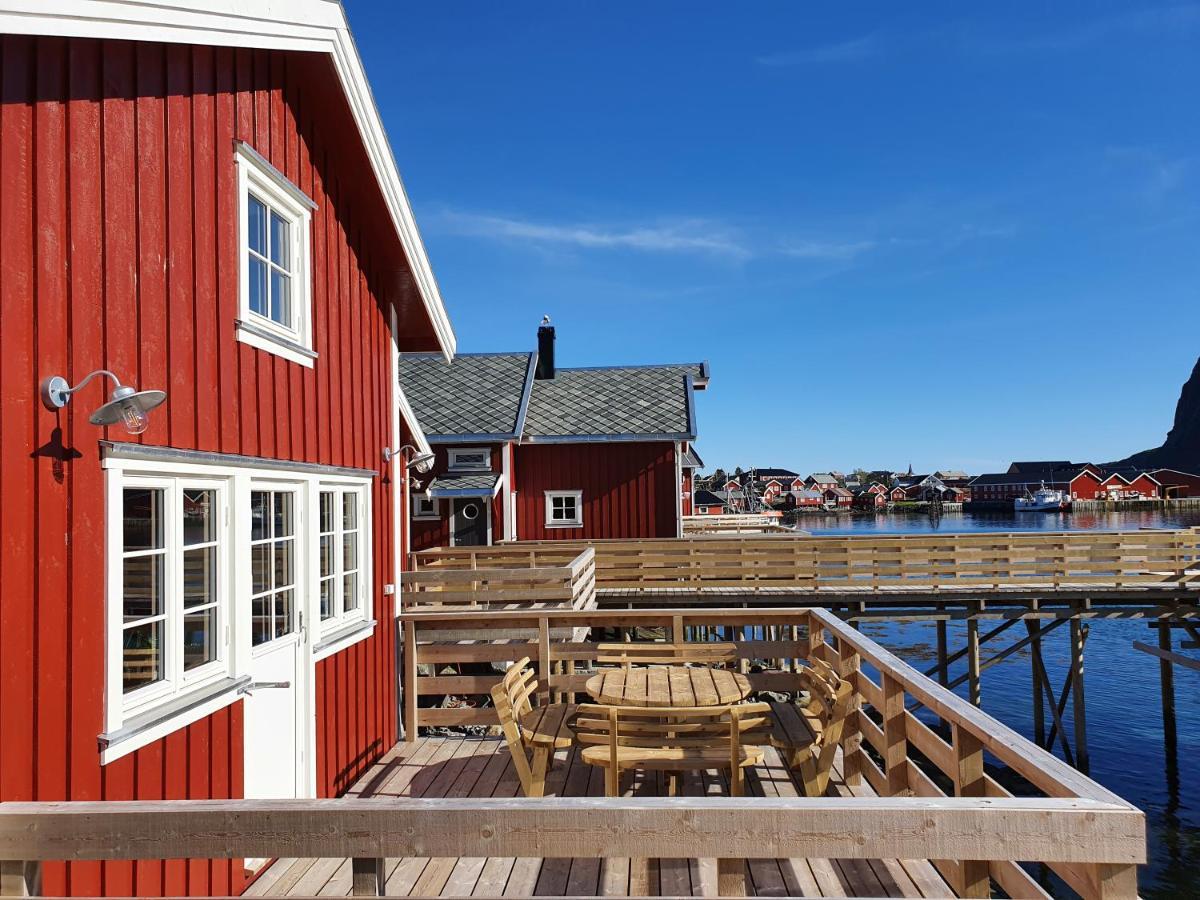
1124	711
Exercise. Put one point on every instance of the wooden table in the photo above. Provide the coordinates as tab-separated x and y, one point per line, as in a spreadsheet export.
668	686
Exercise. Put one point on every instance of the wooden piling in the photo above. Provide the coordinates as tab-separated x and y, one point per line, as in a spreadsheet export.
1035	662
973	662
1166	675
1078	636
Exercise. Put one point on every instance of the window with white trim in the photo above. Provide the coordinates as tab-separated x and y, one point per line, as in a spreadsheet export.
469	459
272	564
275	261
425	507
205	563
342	551
174	587
564	509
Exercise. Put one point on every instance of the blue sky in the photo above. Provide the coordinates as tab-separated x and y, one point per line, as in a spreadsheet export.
930	233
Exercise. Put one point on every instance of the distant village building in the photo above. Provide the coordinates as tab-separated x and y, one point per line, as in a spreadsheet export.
708	503
821	481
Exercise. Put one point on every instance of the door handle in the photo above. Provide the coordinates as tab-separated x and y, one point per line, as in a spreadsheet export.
255	685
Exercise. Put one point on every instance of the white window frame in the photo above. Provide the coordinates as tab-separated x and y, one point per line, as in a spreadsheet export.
153	714
552	522
455	462
344	620
176	680
295	341
422	513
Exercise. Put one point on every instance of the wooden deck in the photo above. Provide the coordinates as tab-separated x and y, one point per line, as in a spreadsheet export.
444	767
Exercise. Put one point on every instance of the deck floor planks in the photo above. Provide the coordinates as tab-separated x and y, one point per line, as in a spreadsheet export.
481	767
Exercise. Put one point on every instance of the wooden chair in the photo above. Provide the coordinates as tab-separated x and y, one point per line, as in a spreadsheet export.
808	734
540	729
658	653
671	739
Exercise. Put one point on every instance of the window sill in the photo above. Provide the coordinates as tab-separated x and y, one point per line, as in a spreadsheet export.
343	638
264	339
154	724
564	524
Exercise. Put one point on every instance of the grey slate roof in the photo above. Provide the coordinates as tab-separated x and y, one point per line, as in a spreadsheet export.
616	402
707	498
822	478
691	459
476	484
477	394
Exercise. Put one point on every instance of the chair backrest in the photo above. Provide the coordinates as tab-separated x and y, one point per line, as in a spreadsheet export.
511	695
829	701
669	728
650	653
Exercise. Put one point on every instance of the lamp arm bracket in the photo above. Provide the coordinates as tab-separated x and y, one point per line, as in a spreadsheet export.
116	381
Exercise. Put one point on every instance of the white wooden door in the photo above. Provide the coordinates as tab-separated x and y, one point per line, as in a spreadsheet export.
275	736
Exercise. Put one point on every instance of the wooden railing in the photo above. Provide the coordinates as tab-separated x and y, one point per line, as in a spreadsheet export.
953	767
909	765
561	583
746	523
870	564
1085	833
935	800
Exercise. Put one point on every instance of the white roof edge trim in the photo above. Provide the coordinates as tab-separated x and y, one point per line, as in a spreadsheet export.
309	25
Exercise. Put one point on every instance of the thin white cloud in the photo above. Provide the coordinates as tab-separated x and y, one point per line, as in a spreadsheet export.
829	250
854	50
681	236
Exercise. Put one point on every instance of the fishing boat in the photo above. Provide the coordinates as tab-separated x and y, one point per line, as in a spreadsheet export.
1042	500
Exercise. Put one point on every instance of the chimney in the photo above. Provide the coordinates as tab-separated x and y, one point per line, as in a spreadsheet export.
545	364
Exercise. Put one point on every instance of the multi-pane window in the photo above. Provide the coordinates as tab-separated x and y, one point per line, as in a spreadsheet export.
272	564
275	224
144	567
341	555
270	262
564	509
172	592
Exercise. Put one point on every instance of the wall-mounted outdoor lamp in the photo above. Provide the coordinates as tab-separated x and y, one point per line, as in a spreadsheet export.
125	405
412	457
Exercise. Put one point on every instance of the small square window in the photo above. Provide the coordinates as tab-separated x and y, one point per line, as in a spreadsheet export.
564	509
276	303
425	507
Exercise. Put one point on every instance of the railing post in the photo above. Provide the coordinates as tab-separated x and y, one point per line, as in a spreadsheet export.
973	687
409	685
731	877
544	667
368	877
816	637
20	878
895	737
1113	881
848	667
969	781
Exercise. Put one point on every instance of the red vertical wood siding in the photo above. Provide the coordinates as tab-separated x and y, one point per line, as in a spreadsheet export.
118	229
629	489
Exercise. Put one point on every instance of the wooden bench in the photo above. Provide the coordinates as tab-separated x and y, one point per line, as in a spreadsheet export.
808	734
671	739
660	653
542	729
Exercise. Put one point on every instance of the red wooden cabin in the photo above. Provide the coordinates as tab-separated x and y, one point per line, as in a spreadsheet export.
529	451
202	201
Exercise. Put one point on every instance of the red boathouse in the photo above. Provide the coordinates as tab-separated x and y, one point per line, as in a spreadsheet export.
201	200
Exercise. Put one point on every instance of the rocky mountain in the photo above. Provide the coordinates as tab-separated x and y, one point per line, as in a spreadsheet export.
1181	450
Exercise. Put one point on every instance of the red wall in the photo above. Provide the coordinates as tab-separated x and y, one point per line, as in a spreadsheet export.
119	158
629	489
